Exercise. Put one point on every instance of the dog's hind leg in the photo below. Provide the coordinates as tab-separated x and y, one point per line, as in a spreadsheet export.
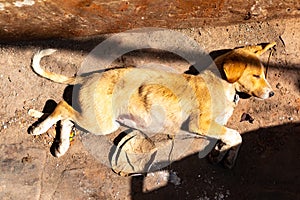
63	111
64	138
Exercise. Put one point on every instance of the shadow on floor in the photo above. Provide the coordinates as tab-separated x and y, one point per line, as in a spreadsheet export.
267	168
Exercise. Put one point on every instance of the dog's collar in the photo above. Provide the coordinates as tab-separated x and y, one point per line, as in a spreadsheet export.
236	98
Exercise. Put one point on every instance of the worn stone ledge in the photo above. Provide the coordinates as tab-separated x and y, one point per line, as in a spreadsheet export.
44	19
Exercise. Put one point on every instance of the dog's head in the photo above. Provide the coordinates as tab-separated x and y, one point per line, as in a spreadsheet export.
247	73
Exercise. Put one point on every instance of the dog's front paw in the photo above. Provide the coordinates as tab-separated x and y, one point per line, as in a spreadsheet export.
217	154
226	157
229	160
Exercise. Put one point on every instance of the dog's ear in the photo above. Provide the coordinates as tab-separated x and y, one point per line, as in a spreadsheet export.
233	70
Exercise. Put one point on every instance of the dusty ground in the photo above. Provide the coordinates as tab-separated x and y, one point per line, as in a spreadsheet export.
267	167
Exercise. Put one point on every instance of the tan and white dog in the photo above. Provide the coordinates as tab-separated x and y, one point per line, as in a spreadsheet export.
155	101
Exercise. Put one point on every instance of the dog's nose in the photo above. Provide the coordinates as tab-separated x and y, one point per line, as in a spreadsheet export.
271	94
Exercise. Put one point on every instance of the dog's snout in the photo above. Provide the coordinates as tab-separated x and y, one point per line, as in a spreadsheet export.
271	94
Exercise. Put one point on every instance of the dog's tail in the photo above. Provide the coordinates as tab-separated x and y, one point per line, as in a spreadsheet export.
58	78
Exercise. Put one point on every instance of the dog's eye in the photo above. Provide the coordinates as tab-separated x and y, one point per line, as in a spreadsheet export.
256	76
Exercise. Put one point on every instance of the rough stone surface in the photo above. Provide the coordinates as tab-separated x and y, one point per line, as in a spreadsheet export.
38	19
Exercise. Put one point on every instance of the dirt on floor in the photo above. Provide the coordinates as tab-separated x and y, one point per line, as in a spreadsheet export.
267	166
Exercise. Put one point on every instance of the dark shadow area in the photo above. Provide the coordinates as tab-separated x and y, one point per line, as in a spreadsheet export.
267	168
217	53
85	45
214	54
49	106
154	55
68	94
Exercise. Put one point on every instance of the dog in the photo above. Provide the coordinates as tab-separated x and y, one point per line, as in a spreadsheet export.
154	101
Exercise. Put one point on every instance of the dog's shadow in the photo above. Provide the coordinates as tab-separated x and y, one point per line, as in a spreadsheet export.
266	168
214	54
